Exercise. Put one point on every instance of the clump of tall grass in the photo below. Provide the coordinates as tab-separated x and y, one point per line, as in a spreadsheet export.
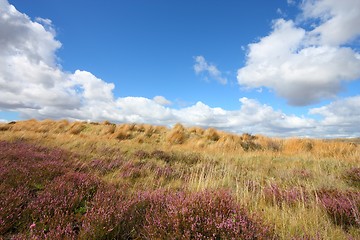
196	131
4	127
177	135
229	142
211	134
77	127
265	143
124	132
298	145
108	128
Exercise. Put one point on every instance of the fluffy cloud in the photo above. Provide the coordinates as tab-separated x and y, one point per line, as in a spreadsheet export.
144	110
340	117
162	100
92	88
339	20
202	66
303	66
29	76
33	84
252	117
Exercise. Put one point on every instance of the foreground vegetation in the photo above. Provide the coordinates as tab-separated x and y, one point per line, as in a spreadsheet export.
75	180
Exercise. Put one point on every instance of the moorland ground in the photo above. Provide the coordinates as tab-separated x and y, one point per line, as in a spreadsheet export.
78	180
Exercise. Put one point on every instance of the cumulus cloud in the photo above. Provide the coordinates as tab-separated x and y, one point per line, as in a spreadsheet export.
340	117
162	100
252	117
307	66
29	75
339	20
34	85
202	66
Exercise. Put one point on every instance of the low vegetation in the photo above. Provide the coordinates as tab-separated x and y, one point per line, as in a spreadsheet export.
77	180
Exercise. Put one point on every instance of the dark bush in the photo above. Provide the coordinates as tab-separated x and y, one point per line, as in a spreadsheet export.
250	145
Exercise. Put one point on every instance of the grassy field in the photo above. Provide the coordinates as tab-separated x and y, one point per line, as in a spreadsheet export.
77	180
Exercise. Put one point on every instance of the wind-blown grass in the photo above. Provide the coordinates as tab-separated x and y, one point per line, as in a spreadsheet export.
78	180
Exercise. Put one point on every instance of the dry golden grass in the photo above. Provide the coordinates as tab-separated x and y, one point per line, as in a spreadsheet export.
181	138
199	159
177	135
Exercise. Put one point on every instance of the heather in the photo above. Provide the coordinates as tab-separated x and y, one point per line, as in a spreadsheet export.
342	207
78	180
43	197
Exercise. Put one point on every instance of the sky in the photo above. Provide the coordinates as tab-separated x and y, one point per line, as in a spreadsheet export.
279	68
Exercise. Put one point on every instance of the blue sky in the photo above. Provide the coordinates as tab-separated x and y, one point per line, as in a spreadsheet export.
280	68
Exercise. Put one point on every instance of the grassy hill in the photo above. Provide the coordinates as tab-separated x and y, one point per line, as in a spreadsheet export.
77	180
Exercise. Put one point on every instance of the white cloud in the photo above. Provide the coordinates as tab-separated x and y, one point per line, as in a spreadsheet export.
279	11
291	2
339	20
340	117
303	66
144	110
162	100
91	87
202	66
252	117
32	83
29	75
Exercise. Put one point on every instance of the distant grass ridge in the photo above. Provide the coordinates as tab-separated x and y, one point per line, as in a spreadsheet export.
193	137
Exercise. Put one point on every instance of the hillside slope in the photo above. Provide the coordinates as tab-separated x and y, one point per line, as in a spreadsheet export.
92	178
